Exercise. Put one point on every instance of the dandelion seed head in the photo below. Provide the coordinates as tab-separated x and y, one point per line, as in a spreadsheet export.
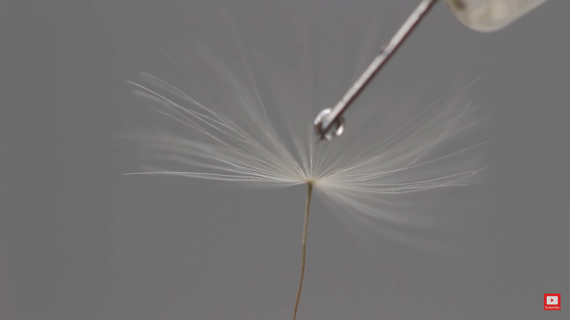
253	126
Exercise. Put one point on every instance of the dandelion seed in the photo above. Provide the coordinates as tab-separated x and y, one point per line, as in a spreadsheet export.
231	137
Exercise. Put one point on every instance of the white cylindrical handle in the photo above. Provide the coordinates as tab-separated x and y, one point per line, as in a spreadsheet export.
490	15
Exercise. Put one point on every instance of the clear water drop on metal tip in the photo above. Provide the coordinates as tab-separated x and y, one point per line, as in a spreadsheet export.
337	127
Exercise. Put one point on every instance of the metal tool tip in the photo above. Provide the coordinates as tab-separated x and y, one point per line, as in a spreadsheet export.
336	128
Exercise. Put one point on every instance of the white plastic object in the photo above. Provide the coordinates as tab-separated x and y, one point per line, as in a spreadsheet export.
490	15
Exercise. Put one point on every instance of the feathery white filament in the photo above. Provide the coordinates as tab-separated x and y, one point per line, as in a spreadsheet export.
235	137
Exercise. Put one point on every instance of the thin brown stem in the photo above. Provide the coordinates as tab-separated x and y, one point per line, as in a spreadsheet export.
305	225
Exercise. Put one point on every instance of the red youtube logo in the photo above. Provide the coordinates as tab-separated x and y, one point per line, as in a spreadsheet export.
552	301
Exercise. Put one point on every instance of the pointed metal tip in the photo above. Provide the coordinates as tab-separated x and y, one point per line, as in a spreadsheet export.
336	128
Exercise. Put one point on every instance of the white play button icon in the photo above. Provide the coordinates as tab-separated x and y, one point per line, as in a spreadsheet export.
552	300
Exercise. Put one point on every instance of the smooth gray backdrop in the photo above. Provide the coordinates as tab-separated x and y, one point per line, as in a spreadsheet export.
80	241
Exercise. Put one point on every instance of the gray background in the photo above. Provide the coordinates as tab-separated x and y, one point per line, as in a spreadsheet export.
80	241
